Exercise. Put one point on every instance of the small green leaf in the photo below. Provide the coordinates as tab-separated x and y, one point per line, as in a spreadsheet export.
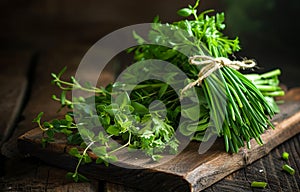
54	97
162	90
156	19
74	139
68	118
192	112
88	84
99	160
86	134
123	99
147	134
139	39
50	133
87	158
113	130
54	75
104	120
74	152
74	81
77	177
69	175
62	72
66	131
82	178
185	12
38	118
139	108
47	125
156	157
63	97
187	27
219	21
56	124
100	151
102	138
112	158
44	142
128	108
183	128
105	163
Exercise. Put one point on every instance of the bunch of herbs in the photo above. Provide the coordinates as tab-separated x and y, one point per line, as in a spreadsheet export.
234	106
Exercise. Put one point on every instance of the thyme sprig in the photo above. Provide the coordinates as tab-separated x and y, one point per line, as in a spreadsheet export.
232	105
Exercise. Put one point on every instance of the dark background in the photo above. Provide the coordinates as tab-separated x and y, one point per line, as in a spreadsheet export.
268	29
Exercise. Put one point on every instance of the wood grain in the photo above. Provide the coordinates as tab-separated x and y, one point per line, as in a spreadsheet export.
32	175
18	171
13	84
41	92
267	169
189	171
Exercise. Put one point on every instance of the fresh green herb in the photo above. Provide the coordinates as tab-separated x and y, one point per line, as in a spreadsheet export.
245	105
82	158
288	169
232	105
77	177
155	135
268	84
285	156
259	184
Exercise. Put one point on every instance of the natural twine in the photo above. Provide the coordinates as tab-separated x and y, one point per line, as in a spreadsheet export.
211	64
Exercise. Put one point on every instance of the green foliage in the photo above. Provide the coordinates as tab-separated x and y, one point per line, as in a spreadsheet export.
127	120
239	108
133	121
77	177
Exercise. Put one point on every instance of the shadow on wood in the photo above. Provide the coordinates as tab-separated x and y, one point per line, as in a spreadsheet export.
188	171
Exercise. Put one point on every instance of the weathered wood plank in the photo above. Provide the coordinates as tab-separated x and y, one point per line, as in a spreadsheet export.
34	175
267	169
13	84
263	169
189	170
13	90
41	92
112	187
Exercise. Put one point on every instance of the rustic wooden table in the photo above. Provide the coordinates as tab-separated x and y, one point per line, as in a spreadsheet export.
25	90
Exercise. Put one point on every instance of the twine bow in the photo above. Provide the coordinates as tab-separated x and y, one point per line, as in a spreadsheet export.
211	64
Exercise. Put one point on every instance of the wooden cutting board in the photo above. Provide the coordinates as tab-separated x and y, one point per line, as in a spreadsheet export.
188	171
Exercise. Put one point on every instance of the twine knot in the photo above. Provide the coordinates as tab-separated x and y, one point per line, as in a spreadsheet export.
211	64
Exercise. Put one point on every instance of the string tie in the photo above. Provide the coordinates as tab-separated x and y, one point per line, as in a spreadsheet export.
211	64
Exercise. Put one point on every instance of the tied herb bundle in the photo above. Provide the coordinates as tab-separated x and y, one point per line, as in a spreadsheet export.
240	106
229	104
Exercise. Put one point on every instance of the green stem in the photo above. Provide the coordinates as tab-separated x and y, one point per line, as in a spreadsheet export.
267	88
148	85
123	146
76	86
81	158
273	82
41	127
270	74
288	169
273	94
70	127
259	184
